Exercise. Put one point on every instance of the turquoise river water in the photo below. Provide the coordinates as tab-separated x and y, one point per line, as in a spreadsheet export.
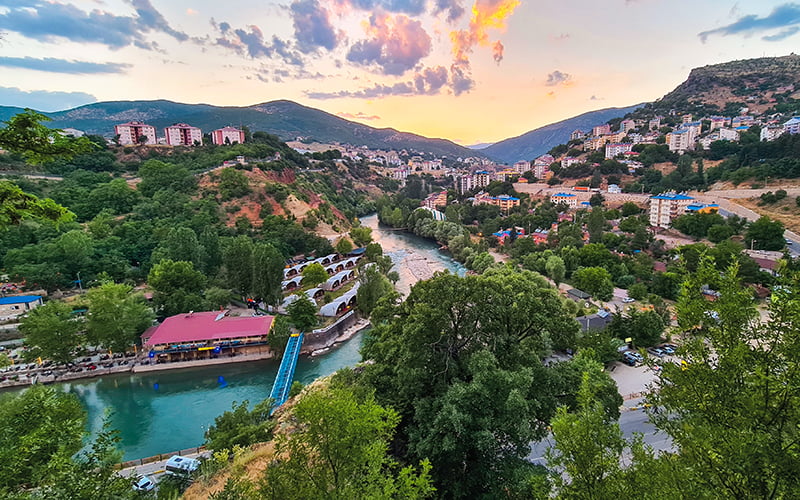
170	410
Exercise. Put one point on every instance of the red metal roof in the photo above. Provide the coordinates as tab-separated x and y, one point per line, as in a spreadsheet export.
202	326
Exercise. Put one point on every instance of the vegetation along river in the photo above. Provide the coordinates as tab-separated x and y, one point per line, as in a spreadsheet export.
166	411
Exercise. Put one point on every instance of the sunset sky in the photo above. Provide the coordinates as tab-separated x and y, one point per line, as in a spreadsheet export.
469	72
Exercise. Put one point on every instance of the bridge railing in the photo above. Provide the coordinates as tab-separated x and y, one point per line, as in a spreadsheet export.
283	380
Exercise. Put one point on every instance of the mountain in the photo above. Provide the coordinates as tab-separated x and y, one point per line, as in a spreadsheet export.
286	119
757	84
539	141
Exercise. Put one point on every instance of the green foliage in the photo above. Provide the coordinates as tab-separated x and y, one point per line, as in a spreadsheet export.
241	426
595	281
343	246
25	134
644	327
16	206
302	313
698	224
157	175
555	268
178	287
361	236
217	297
630	208
765	234
637	291
51	332
268	266
314	274
233	184
374	286
468	381
279	336
117	316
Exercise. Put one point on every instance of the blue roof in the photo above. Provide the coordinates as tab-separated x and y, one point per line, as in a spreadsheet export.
21	299
563	194
506	197
671	197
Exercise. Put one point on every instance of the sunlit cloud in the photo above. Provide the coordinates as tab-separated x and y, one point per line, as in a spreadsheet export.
558	78
358	116
54	65
396	44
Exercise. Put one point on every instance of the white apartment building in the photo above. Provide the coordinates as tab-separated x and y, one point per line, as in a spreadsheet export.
521	167
569	199
182	134
618	148
627	125
601	130
792	126
728	134
131	133
227	135
772	132
665	207
569	161
681	140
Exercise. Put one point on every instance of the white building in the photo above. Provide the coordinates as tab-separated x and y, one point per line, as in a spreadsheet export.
521	167
665	207
627	125
717	122
182	134
569	199
569	161
614	189
792	126
464	184
681	140
618	148
577	134
133	131
771	132
227	135
728	134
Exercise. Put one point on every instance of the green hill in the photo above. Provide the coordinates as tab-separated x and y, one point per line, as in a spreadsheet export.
286	119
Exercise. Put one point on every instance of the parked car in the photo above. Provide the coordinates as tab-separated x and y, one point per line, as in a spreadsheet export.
629	359
628	300
144	483
668	350
657	352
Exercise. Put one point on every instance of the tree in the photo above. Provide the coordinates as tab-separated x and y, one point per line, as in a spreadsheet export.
373	252
237	257
51	331
302	313
644	327
157	175
468	381
374	285
595	224
597	199
555	268
343	246
178	287
241	426
25	134
279	336
217	297
637	291
314	274
765	234
361	235
595	281
17	205
719	233
117	316
340	449
268	266
630	208
181	243
233	184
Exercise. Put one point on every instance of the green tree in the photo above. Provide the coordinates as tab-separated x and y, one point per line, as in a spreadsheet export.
555	268
630	208
595	224
237	258
178	287
241	426
268	266
765	234
51	332
340	449
302	313
279	336
181	243
373	252
218	297
157	175
637	291
595	281
361	236
314	274
17	205
117	316
373	286
25	134
644	327
343	246
719	233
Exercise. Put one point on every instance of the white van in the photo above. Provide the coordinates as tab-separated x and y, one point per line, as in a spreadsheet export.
181	466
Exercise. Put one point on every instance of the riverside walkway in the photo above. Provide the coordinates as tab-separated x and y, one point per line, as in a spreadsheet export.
283	381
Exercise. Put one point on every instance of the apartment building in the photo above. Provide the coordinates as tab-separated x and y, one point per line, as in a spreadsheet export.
665	207
133	133
618	148
681	140
182	134
569	199
227	135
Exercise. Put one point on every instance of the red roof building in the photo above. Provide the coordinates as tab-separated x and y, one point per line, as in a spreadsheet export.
206	331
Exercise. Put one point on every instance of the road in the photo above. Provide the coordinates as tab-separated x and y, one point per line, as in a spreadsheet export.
630	422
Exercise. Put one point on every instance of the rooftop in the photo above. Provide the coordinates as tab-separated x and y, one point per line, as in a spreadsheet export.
19	299
205	326
672	196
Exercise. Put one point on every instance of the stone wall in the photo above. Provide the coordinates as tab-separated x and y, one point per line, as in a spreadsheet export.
325	337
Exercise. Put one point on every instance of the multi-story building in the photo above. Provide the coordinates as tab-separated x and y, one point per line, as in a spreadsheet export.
595	143
771	132
601	130
655	123
505	175
742	120
435	200
569	199
697	127
792	126
614	189
481	179
504	201
464	184
665	207
576	135
728	134
681	140
521	167
135	132
227	135
686	118
569	161
182	134
618	148
627	125
718	122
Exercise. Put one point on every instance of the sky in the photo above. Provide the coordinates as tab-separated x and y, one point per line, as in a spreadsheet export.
471	71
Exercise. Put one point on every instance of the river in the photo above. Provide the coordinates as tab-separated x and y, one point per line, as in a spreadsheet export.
161	412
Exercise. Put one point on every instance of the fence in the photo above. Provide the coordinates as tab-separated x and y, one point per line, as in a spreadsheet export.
158	458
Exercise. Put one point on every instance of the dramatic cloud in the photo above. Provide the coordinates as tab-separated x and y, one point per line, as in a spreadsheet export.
251	41
43	100
312	26
453	8
486	14
558	78
54	65
785	18
358	116
414	7
396	44
429	81
49	21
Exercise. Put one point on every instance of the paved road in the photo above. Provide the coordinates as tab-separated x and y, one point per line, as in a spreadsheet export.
631	421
